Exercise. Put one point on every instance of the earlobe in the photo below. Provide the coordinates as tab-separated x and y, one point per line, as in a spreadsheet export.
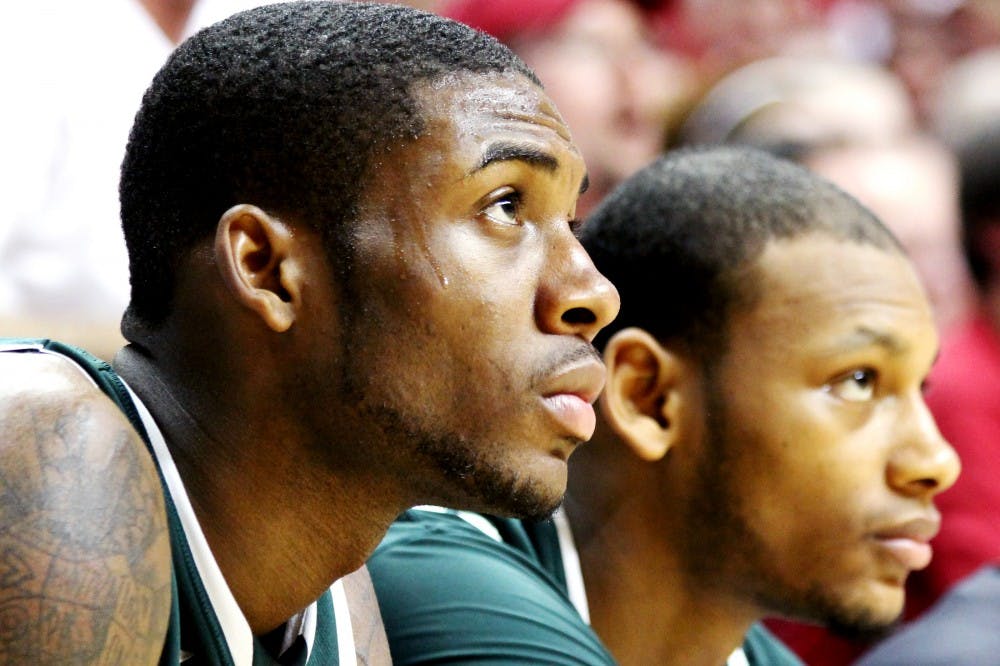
641	400
253	253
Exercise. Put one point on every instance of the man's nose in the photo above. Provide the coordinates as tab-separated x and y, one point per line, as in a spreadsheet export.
574	297
923	463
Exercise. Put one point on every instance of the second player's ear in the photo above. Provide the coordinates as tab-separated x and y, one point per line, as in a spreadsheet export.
643	399
253	251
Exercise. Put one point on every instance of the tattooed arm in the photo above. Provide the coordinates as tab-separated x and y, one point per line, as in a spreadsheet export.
84	550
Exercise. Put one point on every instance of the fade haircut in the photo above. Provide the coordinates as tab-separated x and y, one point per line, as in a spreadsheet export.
680	239
283	107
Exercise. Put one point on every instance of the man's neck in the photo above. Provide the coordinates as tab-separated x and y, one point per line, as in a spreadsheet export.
642	605
268	509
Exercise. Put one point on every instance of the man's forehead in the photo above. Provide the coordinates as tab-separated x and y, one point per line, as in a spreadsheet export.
472	100
829	277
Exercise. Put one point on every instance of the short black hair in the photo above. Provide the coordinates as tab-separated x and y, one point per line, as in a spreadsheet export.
284	107
979	197
680	238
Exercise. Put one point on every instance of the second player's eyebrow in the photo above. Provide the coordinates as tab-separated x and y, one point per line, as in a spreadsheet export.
504	151
864	336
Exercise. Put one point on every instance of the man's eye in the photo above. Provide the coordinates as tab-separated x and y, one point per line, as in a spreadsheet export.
504	211
856	386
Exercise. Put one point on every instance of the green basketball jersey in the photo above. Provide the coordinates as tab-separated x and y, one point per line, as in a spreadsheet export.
457	587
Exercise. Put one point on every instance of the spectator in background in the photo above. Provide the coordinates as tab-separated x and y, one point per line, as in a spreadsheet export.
719	36
916	39
73	74
786	105
968	98
930	36
852	123
616	90
961	591
965	389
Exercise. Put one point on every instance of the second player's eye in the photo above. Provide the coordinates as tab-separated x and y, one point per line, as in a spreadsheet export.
504	210
855	386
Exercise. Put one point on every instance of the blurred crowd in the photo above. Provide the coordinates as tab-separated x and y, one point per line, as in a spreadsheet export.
896	101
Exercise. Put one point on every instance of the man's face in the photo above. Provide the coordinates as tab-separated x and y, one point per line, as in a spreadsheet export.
473	302
815	480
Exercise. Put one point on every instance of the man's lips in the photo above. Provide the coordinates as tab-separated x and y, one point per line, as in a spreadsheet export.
569	394
573	413
907	541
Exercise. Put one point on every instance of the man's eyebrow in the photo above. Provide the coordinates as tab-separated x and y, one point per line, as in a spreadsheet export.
864	336
505	152
585	184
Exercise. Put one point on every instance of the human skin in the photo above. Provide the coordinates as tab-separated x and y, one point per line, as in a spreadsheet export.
339	380
508	300
823	389
801	470
299	418
86	557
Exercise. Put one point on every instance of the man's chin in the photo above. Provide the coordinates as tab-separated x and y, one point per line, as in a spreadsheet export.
864	624
493	491
537	511
861	631
859	619
526	501
505	490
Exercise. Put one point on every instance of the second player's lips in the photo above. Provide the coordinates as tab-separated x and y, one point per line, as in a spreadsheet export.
907	542
570	394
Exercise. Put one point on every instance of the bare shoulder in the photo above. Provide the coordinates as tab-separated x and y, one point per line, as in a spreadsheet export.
84	548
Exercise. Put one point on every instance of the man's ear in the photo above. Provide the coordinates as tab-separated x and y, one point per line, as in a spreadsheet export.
254	254
643	399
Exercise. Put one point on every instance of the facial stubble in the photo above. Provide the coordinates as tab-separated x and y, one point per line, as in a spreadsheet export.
722	546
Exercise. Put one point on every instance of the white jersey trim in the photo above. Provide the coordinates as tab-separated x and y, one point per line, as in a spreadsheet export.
571	565
345	632
236	629
474	519
738	658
